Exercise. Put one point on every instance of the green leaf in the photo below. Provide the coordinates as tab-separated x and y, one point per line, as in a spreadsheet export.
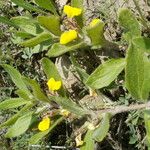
142	43
36	40
12	103
137	73
35	138
37	92
27	24
88	141
96	34
20	126
57	49
70	105
14	118
47	4
147	125
15	76
7	21
23	35
106	73
130	24
81	72
51	23
24	94
27	6
52	72
79	4
101	132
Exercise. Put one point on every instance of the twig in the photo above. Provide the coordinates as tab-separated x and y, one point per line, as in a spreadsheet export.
123	108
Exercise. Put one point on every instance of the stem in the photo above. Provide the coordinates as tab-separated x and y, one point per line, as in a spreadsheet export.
123	108
140	13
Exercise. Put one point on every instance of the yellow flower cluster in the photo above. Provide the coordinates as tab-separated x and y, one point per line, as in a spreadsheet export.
44	124
69	36
54	85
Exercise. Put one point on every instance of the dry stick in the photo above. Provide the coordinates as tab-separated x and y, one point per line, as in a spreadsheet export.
123	108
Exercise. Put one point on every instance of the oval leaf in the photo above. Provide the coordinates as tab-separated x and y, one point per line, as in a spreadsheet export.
51	23
47	4
12	103
130	24
14	118
27	24
142	43
20	126
88	141
106	73
36	40
7	21
15	76
57	49
37	92
101	132
147	125
70	106
96	34
27	6
137	72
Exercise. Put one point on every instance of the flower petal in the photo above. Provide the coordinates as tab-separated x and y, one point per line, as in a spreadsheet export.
72	11
44	124
57	85
68	36
51	84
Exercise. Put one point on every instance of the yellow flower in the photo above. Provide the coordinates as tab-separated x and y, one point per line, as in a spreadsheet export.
64	112
78	140
72	11
44	124
68	36
53	85
94	22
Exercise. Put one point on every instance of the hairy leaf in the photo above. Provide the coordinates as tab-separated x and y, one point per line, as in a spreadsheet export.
15	76
130	24
96	34
27	6
57	49
106	73
27	24
101	132
7	21
20	126
142	43
37	92
51	23
88	141
137	74
47	4
70	105
12	103
36	40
